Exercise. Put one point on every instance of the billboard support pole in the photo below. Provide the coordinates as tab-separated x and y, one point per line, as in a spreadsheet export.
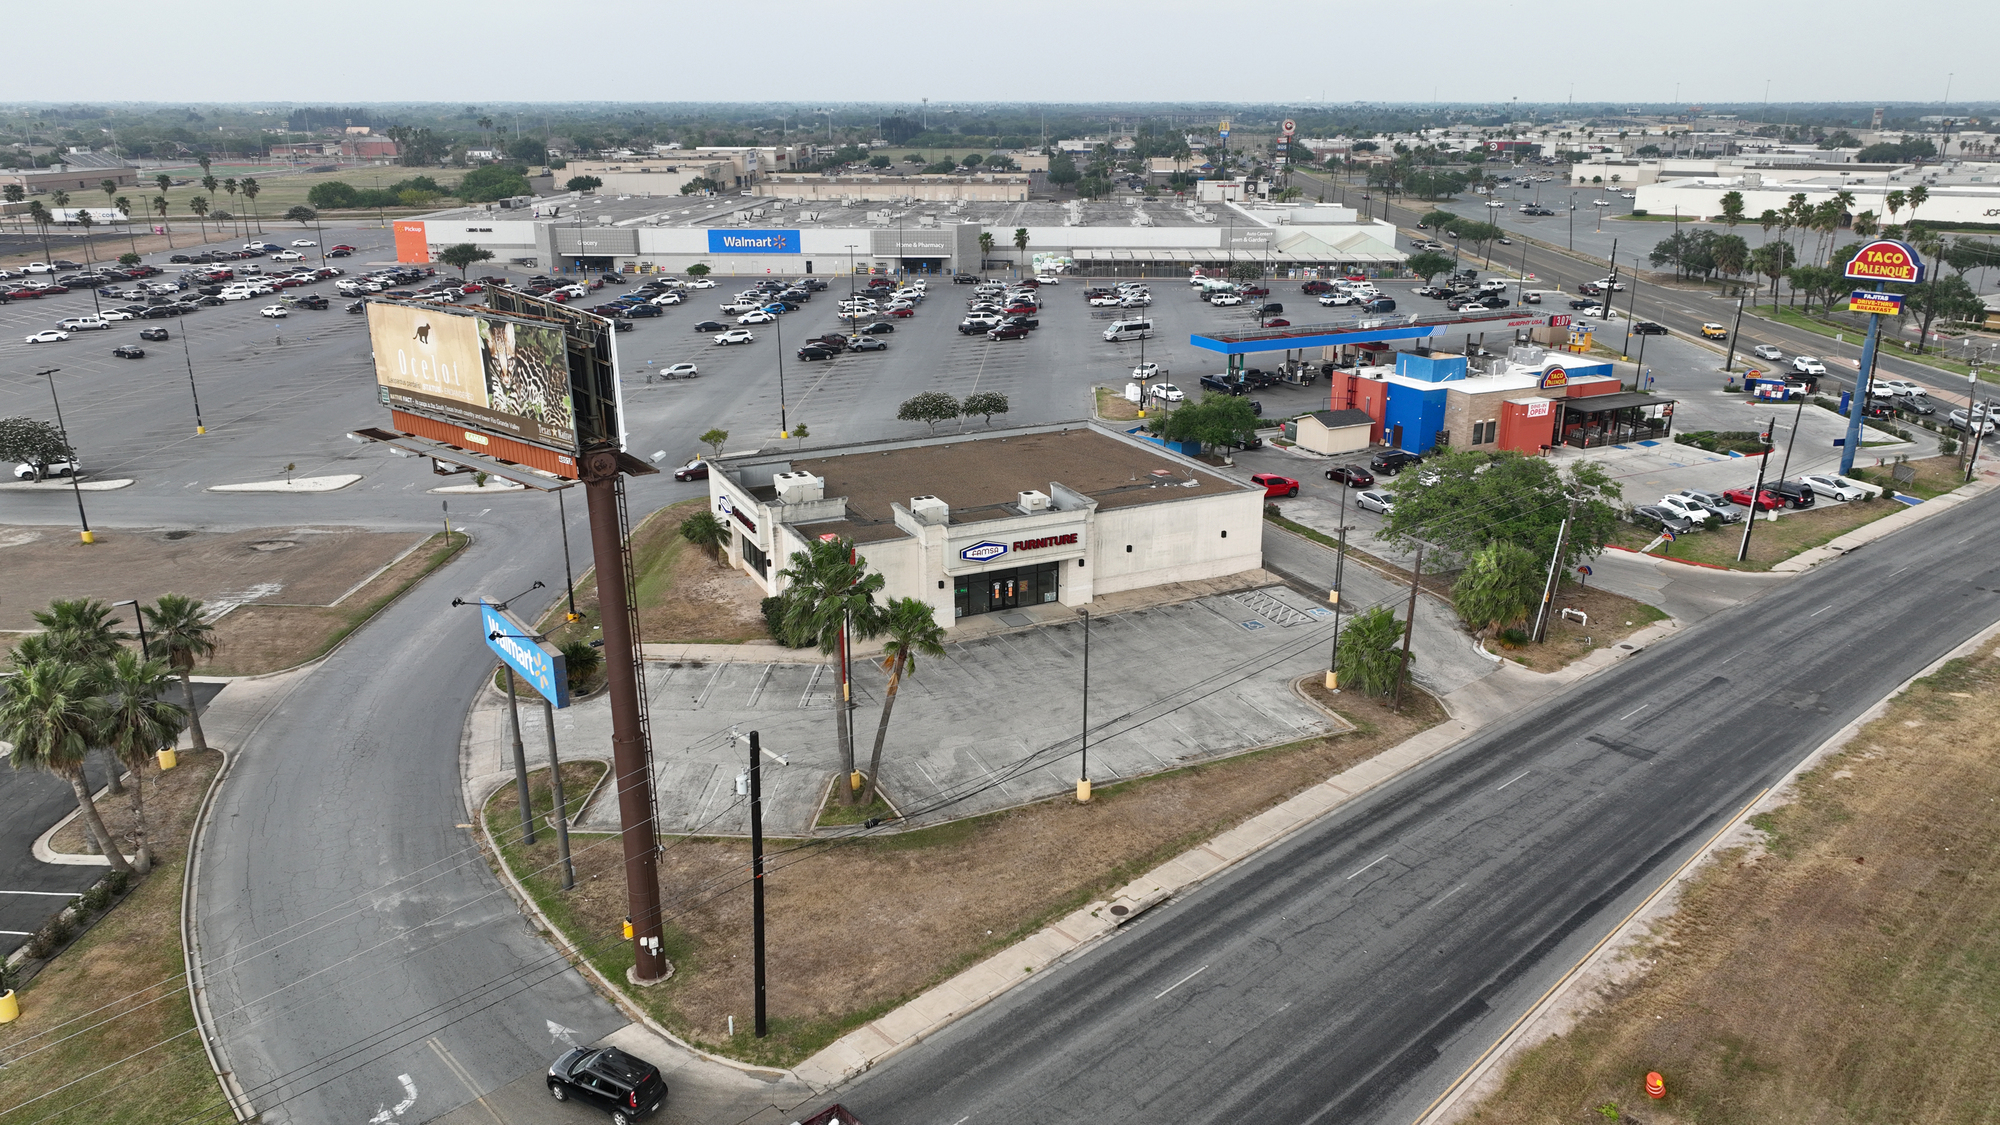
520	763
629	756
556	790
1857	403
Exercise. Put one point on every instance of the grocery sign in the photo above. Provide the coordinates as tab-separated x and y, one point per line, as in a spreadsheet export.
1887	304
753	242
1885	259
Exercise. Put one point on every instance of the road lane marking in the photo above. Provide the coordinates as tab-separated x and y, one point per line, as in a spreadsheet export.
1173	986
1350	877
1897	571
1633	711
1820	610
1512	780
55	894
462	1075
1447	894
1731	656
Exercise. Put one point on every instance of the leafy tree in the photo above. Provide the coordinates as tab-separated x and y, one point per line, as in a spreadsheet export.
51	713
129	259
1000	164
1840	139
1428	264
1246	271
707	531
493	182
463	256
1949	297
699	269
34	442
528	150
829	592
583	183
984	403
1431	183
135	725
714	439
1478	497
303	216
701	184
1772	260
879	162
1062	170
180	632
912	629
1215	420
1896	152
930	407
973	160
1369	651
1501	582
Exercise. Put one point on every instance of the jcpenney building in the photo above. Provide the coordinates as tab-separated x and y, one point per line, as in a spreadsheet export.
996	520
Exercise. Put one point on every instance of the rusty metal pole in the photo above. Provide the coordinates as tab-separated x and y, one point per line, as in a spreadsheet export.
1409	627
628	747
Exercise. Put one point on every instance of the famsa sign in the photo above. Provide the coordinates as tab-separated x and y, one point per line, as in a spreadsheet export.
982	552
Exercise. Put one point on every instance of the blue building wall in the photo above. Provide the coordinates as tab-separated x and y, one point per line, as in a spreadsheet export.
1430	368
1420	413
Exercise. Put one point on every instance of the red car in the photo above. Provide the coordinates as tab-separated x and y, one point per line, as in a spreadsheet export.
1316	287
902	312
1275	485
1020	310
1255	291
1008	332
1280	322
473	287
1766	499
23	293
347	248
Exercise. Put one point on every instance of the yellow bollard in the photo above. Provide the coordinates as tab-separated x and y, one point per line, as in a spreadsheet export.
89	538
854	780
1332	680
10	1008
1083	789
168	758
628	929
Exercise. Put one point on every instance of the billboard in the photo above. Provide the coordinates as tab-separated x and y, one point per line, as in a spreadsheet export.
476	371
413	242
753	242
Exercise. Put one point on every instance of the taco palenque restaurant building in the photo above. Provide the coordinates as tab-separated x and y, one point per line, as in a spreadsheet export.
995	520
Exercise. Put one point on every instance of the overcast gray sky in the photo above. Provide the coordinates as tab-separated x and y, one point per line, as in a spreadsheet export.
812	51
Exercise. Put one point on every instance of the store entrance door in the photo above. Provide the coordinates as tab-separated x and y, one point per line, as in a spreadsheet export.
999	590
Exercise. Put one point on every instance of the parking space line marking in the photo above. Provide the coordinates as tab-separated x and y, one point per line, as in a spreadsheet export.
1512	780
1447	894
53	894
1633	711
1351	877
1182	981
1820	610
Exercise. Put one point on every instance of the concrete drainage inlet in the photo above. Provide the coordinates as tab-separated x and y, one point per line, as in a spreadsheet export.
274	545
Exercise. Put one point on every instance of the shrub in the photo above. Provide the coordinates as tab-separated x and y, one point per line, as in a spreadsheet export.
774	619
1513	638
116	882
95	899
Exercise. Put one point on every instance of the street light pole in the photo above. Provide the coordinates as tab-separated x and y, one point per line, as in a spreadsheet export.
145	649
74	462
1083	771
1729	361
199	429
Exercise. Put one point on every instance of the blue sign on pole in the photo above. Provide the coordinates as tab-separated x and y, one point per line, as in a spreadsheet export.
540	664
753	242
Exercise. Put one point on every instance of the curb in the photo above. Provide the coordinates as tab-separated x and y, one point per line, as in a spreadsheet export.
1778	794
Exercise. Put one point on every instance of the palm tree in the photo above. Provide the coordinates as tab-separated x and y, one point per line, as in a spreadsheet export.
180	633
49	714
160	207
1865	224
250	190
912	629
485	132
124	206
209	184
79	633
985	247
14	193
199	205
231	186
135	725
204	161
1894	202
1918	196
40	216
165	181
1021	244
828	594
109	188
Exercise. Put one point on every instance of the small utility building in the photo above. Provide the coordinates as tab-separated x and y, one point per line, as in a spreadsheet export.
1332	432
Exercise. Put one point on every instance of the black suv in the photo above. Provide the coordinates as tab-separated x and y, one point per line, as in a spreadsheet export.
1648	328
1393	461
627	1088
1797	493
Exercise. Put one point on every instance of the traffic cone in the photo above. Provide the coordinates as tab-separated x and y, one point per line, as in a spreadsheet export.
1656	1086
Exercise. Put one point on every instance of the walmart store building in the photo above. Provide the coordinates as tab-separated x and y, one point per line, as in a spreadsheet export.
994	521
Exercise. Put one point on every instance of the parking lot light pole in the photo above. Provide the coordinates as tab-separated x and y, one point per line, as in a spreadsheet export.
1083	771
199	429
145	648
1339	572
74	462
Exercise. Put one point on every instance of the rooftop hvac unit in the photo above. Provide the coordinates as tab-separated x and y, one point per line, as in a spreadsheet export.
930	510
799	488
1034	501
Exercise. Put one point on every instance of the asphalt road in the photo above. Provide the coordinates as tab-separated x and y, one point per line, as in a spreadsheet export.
1351	973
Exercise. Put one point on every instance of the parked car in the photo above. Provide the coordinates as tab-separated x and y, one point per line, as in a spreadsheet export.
1697	512
1381	304
1393	461
129	351
1768	351
1890	388
1766	499
736	336
1835	486
816	351
1795	493
1225	299
1353	476
26	469
48	336
1166	392
711	326
1275	485
1008	332
696	469
607	1078
1662	519
1376	500
868	344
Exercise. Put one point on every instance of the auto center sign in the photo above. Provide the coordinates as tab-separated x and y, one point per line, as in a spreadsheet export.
753	242
1886	259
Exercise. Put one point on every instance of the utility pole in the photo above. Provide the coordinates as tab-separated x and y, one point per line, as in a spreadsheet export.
1729	361
1339	572
1555	568
1083	771
1757	493
757	877
1409	627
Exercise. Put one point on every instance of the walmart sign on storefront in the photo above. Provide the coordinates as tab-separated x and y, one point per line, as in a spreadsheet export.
753	242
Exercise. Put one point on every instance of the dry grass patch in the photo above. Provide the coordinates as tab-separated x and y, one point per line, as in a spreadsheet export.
1849	972
117	999
684	595
1771	543
1612	618
1114	407
1935	476
926	903
255	639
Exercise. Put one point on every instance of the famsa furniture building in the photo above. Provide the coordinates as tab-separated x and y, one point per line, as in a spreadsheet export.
997	520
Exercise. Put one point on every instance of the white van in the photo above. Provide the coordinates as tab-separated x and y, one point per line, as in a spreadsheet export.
1129	330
